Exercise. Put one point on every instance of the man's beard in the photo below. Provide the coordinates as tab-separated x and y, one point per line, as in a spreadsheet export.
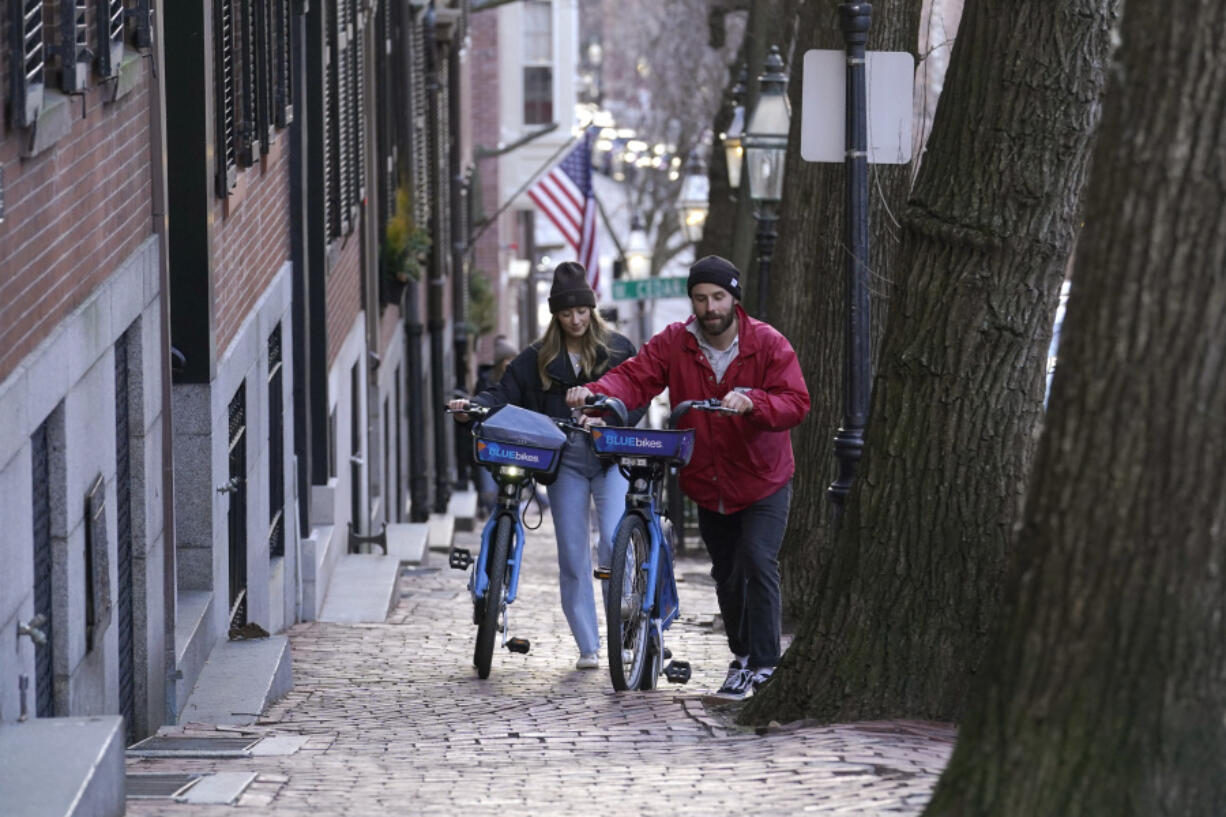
716	325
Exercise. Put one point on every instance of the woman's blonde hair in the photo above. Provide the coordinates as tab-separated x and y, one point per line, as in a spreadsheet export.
553	344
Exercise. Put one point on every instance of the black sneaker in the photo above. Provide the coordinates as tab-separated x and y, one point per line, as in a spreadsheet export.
738	684
760	677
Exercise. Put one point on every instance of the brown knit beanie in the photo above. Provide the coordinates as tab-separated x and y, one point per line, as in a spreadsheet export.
570	288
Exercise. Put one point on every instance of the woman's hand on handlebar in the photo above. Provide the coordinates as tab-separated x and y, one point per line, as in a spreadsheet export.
456	409
577	396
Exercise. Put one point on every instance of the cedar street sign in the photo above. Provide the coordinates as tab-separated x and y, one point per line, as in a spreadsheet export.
890	77
636	289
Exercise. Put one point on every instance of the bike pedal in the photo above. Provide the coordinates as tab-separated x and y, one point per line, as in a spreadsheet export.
677	672
460	558
602	573
519	645
667	653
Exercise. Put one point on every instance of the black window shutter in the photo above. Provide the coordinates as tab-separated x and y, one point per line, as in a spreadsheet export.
358	59
224	113
263	72
141	14
419	145
331	118
28	61
283	93
109	15
75	56
245	58
345	125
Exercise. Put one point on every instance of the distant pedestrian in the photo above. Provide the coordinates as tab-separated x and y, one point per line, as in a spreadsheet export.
740	475
577	347
504	353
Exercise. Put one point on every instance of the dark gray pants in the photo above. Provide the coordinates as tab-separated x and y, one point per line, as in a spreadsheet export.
744	549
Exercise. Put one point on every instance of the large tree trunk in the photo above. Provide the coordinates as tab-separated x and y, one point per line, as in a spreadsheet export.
806	301
903	614
1106	686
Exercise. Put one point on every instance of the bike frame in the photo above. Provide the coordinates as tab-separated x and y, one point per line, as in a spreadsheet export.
645	504
509	490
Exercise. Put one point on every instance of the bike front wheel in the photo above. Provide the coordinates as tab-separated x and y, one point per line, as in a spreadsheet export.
496	572
628	623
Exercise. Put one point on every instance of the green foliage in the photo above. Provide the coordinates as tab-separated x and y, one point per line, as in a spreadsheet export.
482	311
406	246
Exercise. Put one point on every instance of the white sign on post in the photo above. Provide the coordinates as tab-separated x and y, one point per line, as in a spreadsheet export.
890	87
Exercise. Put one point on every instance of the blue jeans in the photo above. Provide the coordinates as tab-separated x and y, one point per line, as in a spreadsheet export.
744	549
581	479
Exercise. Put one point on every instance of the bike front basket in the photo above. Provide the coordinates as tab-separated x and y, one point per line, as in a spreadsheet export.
674	446
516	436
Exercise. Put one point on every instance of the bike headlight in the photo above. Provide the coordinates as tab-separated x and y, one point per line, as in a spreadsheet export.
512	471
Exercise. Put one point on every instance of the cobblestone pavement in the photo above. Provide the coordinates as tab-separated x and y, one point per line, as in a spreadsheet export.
397	722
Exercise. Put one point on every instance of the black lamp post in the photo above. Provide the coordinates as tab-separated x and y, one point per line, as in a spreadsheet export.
854	19
692	202
766	147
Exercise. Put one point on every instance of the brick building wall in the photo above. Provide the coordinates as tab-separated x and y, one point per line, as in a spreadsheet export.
344	295
250	243
72	213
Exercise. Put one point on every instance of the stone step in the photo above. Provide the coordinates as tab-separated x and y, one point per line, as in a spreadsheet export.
63	767
239	680
363	588
463	508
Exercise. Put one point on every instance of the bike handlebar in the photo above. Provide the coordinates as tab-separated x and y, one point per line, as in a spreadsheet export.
710	404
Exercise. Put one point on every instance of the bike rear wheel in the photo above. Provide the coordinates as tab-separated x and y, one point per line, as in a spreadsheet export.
628	624
496	572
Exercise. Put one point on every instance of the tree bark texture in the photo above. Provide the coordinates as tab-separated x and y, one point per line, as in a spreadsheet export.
915	582
1106	687
806	301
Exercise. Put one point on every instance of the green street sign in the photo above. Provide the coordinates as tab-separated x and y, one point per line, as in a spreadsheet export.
643	288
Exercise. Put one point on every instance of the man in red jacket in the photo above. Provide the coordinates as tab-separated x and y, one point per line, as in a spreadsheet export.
740	475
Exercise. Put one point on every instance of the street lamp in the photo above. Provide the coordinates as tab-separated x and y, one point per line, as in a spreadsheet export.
766	146
692	204
638	266
638	253
734	150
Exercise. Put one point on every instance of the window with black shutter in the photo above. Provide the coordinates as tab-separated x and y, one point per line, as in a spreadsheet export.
225	92
28	60
73	49
109	15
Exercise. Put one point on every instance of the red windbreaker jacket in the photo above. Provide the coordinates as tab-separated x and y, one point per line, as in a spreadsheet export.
737	460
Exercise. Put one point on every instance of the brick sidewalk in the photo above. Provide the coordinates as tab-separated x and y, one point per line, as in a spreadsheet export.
398	723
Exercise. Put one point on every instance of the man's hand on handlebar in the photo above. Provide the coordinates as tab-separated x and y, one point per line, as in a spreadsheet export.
738	402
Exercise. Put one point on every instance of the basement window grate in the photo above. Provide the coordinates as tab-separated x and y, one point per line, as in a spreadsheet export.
159	786
189	746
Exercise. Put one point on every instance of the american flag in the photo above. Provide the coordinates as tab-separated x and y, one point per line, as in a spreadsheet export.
565	196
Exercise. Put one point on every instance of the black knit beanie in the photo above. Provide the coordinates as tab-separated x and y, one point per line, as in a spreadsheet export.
570	288
715	270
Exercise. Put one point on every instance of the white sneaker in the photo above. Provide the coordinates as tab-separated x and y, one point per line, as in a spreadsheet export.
587	660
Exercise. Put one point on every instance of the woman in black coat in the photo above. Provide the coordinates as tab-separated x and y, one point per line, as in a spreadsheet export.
576	348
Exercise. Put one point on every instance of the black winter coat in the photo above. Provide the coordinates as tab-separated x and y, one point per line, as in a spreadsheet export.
521	383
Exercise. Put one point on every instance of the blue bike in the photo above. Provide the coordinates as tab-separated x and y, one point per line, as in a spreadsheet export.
642	598
519	448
